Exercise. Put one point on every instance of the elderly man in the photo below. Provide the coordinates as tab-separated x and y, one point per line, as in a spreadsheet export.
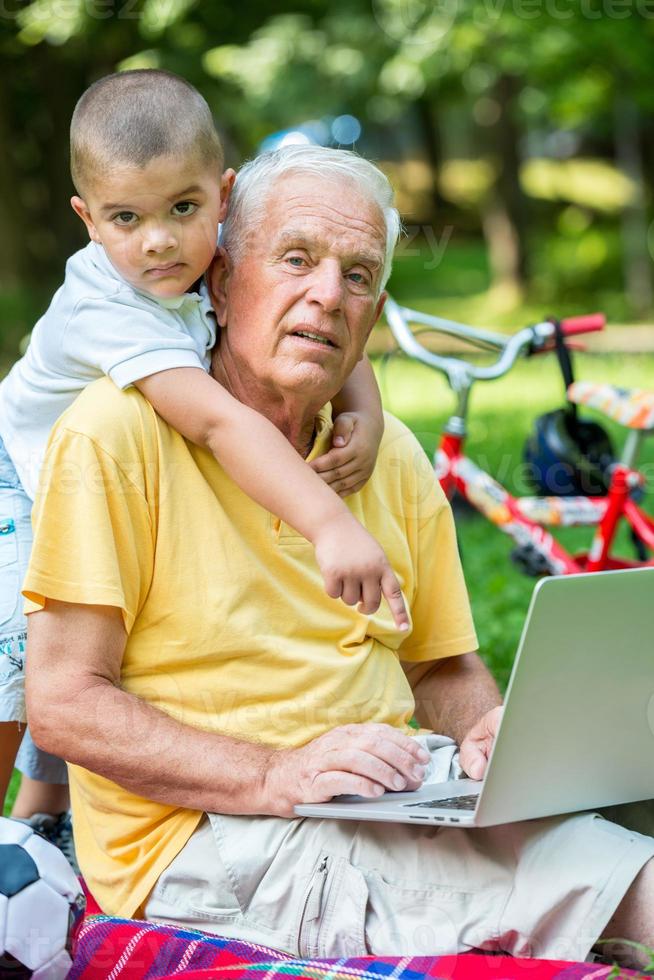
185	660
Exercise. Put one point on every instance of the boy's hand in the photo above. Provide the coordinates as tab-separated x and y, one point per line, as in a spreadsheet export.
356	570
350	462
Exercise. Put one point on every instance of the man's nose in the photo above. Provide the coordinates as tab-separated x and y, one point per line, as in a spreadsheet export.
327	286
158	238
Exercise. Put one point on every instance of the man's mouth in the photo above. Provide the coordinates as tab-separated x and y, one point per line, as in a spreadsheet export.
317	337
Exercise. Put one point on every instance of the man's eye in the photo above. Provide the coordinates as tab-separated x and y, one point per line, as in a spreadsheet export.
182	208
125	218
357	278
296	261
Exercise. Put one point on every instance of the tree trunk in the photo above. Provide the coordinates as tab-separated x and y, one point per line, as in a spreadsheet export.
432	143
504	212
505	252
14	255
636	255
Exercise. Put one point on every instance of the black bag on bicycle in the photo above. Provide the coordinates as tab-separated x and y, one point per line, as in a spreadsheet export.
565	455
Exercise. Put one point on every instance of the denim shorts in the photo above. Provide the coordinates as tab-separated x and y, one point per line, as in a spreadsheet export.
15	546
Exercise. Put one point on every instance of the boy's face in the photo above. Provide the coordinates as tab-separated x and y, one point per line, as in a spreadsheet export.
159	223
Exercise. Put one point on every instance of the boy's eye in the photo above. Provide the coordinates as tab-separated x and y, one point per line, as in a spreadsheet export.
182	208
124	218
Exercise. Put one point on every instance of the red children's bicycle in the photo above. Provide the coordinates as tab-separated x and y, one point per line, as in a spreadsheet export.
570	461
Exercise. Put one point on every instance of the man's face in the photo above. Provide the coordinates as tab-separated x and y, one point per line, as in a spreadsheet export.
304	295
158	224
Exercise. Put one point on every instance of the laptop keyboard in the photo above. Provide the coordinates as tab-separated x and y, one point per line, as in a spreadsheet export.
451	803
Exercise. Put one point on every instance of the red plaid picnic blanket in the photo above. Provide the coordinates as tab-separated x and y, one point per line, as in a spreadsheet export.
109	948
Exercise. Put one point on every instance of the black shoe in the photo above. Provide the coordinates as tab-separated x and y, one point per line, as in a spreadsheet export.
58	829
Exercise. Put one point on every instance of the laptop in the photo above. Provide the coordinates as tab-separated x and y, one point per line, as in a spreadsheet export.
578	725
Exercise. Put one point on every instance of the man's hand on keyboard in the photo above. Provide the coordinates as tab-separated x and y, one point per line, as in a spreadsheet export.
364	759
476	746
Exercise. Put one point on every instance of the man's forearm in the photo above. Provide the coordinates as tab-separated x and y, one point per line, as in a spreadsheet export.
139	747
451	695
78	710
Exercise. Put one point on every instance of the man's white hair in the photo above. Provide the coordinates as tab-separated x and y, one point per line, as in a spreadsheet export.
256	178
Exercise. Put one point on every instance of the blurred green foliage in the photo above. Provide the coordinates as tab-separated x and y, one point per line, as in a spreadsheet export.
458	284
521	127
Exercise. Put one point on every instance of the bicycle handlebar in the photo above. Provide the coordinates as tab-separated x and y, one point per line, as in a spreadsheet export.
459	371
583	324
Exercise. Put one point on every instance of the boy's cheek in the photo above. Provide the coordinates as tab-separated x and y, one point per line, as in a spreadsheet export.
118	251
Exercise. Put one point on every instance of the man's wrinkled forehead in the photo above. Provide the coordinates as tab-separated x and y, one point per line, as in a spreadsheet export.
331	214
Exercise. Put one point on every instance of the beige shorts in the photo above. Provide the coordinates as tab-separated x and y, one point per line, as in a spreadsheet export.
326	888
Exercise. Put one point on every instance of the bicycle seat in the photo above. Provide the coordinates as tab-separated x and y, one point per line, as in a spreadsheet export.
631	407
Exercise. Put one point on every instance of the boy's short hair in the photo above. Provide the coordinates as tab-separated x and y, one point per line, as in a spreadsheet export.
135	116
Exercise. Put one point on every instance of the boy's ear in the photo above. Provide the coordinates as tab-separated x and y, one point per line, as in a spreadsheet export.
226	184
217	277
80	208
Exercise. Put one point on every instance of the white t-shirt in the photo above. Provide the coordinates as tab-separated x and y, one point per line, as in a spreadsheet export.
96	325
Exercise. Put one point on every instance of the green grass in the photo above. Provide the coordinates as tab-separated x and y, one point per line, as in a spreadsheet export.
11	792
501	415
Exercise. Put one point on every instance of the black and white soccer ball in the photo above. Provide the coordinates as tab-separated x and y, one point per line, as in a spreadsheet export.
41	902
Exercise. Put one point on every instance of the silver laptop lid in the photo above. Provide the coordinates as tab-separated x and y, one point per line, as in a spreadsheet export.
578	729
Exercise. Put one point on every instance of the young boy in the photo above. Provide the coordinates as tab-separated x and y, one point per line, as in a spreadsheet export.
147	164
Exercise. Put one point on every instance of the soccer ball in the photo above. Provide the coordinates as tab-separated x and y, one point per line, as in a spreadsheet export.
40	904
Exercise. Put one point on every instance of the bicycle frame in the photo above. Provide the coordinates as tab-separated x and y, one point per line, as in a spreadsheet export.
525	519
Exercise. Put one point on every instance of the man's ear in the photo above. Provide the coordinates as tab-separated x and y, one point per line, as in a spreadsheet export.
217	277
373	320
80	208
226	184
381	303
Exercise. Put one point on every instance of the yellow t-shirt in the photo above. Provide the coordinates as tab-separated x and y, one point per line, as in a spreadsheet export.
229	626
